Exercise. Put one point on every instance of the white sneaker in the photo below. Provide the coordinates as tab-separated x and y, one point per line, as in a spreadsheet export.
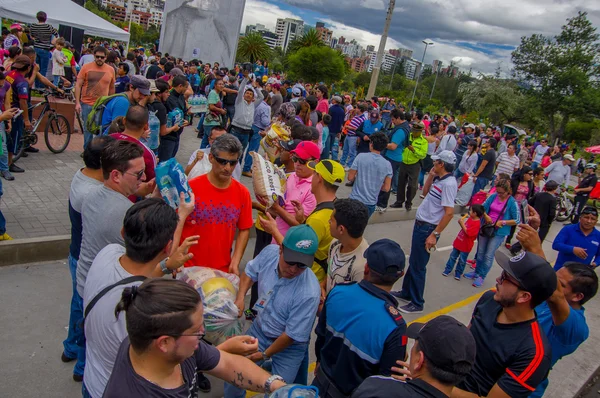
380	209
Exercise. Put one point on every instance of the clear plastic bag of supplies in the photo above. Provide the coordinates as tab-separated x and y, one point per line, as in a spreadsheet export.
268	180
218	291
270	142
295	391
171	181
464	192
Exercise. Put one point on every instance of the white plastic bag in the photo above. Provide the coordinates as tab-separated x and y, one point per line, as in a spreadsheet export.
464	193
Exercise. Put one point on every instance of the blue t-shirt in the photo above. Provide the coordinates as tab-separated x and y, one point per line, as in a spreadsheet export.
372	169
570	237
398	138
194	79
564	339
121	84
116	107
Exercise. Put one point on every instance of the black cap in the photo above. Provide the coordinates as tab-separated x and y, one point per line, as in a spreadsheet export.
451	130
534	274
385	257
289	145
445	342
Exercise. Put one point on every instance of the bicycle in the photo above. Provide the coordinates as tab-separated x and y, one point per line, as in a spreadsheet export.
71	97
57	133
564	205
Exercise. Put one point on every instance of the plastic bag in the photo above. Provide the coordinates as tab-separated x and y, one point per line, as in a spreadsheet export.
201	167
270	142
268	180
171	181
295	391
218	291
464	193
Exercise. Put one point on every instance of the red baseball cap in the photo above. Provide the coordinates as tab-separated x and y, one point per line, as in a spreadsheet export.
307	150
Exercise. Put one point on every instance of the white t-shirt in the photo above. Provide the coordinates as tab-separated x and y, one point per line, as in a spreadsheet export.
204	166
441	194
447	143
539	153
103	332
507	164
345	267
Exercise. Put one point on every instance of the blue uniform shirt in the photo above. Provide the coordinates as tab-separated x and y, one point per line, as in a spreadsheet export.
571	236
292	303
116	107
564	338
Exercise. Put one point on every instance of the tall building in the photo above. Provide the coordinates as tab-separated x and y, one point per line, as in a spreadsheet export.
395	52
270	38
451	71
140	18
320	25
437	65
255	28
342	40
118	13
352	49
358	64
370	48
157	15
412	68
387	62
405	53
325	34
287	30
334	42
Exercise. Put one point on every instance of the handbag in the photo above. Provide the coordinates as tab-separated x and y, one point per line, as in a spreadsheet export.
489	230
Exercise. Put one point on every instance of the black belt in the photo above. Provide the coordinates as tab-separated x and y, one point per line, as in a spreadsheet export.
328	389
240	130
418	222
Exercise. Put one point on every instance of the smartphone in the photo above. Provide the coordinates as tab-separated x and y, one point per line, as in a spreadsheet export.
525	211
17	114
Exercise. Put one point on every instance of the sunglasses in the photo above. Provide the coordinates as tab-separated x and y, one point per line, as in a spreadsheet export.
138	175
504	276
223	162
299	265
298	160
100	57
590	210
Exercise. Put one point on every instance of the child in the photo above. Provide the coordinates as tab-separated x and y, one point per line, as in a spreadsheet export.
58	61
122	78
325	132
464	241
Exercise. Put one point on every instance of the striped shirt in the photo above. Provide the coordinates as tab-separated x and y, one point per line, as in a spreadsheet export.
356	122
42	33
507	164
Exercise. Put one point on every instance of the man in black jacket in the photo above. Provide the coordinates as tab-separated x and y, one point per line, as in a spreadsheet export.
545	204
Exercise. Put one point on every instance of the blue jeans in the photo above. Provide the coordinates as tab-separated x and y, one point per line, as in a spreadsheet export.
84	391
56	80
327	144
462	261
201	121
534	165
42	58
244	139
485	253
335	148
413	285
167	149
371	209
480	183
421	177
207	130
87	136
74	344
253	145
349	151
4	156
458	175
285	363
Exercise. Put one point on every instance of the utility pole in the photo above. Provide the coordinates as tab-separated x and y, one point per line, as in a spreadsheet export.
427	43
437	72
381	50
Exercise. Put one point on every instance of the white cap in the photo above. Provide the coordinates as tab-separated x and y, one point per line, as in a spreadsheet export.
569	157
445	156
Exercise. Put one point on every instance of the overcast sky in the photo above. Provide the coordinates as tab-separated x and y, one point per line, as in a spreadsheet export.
477	33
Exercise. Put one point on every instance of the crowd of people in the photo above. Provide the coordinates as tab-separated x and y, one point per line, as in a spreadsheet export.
135	332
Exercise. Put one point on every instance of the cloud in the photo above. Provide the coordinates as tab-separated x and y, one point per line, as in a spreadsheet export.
264	13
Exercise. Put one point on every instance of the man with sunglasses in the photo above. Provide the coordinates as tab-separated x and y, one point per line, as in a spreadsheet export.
287	305
579	242
95	80
360	332
513	355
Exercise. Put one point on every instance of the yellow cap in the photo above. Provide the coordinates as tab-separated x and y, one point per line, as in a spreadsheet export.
330	170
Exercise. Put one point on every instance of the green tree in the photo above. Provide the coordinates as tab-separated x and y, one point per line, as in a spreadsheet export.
310	38
317	63
562	72
253	47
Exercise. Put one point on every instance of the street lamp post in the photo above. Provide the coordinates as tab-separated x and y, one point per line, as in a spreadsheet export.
380	51
427	42
437	72
393	71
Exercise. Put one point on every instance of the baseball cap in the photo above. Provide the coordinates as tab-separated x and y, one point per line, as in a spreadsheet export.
141	83
418	126
16	26
471	126
306	150
445	342
300	245
176	72
296	91
337	99
330	170
21	61
445	156
385	257
289	145
534	274
569	157
153	88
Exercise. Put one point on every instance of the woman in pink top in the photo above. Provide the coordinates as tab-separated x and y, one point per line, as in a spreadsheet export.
522	188
298	187
322	96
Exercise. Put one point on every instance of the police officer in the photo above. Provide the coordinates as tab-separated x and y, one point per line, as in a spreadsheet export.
360	332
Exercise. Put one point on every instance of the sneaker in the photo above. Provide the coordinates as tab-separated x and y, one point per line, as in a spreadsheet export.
445	273
349	184
507	245
77	378
398	294
457	277
478	282
5	236
6	175
65	358
471	275
408	207
393	192
31	149
13	168
380	209
247	174
396	205
203	383
411	308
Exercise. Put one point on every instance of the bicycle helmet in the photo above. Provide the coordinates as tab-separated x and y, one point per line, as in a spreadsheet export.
593	166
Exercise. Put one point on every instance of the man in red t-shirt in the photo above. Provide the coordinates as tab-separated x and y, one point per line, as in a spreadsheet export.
222	206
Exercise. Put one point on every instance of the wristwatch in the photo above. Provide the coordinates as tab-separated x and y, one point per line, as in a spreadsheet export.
163	266
436	234
265	357
270	381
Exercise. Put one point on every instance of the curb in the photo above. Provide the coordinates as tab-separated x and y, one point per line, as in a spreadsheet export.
34	250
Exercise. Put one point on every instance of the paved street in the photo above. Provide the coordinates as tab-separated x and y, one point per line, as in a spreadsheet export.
36	299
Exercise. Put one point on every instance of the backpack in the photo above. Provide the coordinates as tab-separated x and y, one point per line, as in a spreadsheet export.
93	124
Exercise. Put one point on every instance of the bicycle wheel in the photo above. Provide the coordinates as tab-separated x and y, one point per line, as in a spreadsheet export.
564	209
20	150
57	133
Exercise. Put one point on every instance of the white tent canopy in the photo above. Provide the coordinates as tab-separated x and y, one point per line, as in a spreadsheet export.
62	12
